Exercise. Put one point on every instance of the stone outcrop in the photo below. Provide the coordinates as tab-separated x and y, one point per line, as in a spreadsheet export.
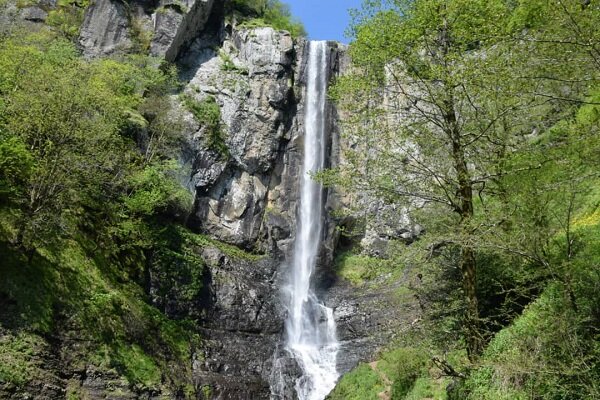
242	322
165	26
106	28
177	23
251	77
369	316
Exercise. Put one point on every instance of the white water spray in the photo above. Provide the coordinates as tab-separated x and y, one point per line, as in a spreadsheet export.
310	327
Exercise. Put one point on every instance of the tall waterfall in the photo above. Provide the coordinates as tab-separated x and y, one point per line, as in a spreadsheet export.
310	327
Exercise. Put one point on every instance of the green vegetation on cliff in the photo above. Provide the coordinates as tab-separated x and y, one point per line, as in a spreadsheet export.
273	13
89	204
208	114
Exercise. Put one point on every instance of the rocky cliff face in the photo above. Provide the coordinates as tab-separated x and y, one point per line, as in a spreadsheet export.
166	27
247	197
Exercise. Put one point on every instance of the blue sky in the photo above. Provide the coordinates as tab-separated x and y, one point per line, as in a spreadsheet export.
324	19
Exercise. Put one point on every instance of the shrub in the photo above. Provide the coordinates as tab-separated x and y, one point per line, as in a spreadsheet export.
16	357
208	114
402	366
273	13
68	17
362	383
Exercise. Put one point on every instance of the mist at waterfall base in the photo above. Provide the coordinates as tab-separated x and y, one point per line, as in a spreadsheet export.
310	336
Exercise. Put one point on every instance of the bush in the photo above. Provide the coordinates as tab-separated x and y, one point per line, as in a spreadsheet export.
362	383
68	17
16	164
17	354
155	190
208	114
545	351
402	366
273	13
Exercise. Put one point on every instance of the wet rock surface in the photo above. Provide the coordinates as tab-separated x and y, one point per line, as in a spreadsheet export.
369	316
241	323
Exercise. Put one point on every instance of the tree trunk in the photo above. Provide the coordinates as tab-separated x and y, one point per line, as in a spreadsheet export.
464	208
473	339
468	262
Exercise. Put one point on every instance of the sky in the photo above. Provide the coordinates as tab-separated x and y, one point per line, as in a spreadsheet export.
324	19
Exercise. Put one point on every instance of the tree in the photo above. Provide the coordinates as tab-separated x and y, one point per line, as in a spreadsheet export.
441	96
68	121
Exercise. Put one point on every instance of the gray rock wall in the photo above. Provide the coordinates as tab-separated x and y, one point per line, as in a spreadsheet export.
248	197
114	26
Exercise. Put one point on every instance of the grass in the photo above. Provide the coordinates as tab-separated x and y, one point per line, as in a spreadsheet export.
428	388
132	362
124	332
360	269
362	383
399	372
16	357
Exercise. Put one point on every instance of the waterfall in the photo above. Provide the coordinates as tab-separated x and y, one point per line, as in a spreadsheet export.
310	327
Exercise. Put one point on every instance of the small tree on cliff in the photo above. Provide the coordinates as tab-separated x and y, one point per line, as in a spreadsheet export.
439	98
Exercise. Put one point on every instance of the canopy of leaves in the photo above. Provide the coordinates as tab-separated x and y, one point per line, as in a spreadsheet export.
500	98
67	134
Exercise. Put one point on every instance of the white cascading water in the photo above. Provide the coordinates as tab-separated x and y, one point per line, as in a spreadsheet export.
310	327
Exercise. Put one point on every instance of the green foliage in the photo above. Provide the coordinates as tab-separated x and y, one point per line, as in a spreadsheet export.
229	66
122	330
141	35
426	76
362	383
17	353
427	388
135	364
208	113
154	190
69	114
359	269
206	391
25	3
67	17
402	366
87	170
16	165
273	13
543	352
400	373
